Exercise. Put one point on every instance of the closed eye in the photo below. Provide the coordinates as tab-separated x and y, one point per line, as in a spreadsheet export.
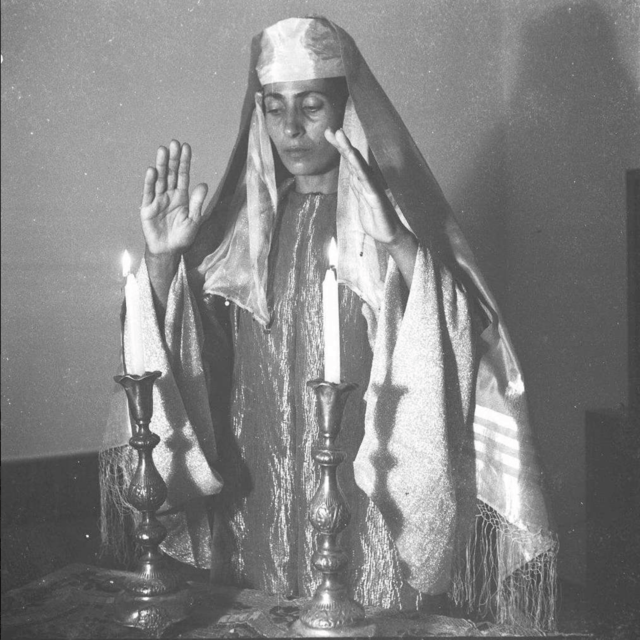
273	107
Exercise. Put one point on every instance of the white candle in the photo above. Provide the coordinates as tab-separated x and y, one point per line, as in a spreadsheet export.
135	363
331	319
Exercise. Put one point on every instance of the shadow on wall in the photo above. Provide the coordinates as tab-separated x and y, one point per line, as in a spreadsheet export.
481	202
573	129
546	194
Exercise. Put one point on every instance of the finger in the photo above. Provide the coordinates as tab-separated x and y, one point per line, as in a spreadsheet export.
197	200
184	168
341	143
357	164
161	168
352	155
331	138
148	192
174	161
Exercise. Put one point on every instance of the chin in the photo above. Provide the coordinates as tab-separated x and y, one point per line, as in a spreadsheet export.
305	169
314	163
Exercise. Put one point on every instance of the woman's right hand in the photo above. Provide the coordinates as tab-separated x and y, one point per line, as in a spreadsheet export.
170	218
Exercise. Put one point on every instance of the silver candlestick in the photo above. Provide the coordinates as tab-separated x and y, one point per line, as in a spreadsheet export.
153	598
331	612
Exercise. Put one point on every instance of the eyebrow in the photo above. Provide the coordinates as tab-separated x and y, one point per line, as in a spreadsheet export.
301	94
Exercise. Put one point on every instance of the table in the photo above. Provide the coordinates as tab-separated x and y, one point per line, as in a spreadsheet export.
77	602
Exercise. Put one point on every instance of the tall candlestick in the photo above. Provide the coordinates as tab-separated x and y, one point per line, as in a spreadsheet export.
136	364
331	319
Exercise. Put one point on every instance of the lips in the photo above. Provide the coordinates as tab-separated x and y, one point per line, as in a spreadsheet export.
296	152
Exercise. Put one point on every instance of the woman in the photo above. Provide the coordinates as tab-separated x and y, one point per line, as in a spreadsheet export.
420	335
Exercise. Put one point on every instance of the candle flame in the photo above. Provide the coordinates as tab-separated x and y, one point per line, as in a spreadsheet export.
333	253
126	264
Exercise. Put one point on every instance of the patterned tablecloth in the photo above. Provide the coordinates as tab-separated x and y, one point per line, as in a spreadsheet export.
78	602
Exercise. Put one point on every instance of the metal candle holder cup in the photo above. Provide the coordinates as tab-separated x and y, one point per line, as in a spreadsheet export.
331	611
152	599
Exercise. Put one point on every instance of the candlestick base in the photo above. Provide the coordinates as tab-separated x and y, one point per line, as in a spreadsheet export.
359	630
153	614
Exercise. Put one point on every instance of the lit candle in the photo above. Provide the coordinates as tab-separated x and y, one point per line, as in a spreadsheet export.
134	319
331	318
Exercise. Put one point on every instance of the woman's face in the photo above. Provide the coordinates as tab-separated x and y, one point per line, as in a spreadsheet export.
297	115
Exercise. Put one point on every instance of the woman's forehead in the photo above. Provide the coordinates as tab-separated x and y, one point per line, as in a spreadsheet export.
292	88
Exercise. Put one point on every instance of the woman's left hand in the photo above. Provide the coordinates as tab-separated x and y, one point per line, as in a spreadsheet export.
377	215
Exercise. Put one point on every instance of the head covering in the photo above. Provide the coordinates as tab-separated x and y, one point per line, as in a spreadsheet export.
299	49
247	199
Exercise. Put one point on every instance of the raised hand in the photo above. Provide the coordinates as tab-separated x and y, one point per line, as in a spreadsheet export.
170	217
377	215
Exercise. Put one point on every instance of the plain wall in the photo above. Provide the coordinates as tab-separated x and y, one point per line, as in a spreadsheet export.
572	79
526	112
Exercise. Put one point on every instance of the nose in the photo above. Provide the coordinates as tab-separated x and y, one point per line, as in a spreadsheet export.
292	124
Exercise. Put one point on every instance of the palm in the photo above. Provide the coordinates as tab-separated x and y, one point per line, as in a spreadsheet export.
377	215
170	217
166	223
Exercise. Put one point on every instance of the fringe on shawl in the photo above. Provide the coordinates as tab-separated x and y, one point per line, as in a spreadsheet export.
117	516
526	597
